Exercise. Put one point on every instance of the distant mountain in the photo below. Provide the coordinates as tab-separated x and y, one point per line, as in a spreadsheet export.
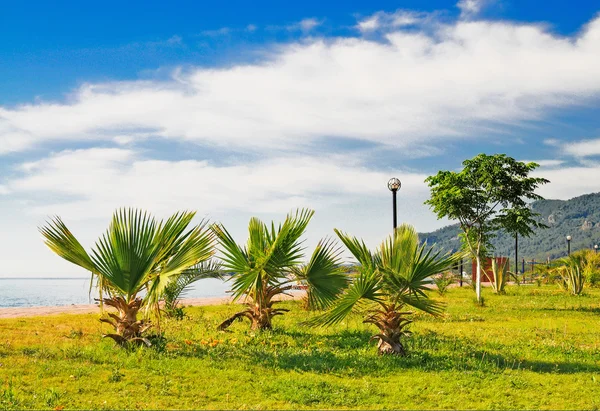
578	217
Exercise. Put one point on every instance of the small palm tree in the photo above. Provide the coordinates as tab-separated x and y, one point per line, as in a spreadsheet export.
572	273
136	255
388	281
271	265
177	288
499	276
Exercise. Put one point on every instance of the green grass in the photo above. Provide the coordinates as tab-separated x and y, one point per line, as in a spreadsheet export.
532	348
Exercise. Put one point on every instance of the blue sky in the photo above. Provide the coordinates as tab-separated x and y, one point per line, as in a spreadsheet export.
245	108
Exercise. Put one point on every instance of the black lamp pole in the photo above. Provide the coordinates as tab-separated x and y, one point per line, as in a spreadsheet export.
569	245
394	185
596	248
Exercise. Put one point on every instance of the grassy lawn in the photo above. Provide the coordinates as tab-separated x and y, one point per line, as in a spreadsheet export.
532	348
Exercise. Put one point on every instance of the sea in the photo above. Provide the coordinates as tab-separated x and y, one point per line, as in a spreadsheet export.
43	292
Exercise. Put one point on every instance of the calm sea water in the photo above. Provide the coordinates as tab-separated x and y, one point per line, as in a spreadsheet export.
36	292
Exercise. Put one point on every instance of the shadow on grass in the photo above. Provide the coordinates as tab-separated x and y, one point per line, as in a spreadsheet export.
350	352
461	355
593	310
330	362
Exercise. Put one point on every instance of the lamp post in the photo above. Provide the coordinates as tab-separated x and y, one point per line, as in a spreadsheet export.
394	185
569	238
596	248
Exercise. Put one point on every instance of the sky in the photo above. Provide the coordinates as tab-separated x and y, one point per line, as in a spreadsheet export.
239	109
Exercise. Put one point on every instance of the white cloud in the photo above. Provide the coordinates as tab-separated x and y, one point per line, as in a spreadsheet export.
85	186
546	163
552	142
438	86
444	85
584	148
93	182
470	8
368	24
305	25
389	21
308	24
569	182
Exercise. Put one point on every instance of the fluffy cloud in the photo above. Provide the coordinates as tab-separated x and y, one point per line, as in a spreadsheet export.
308	24
454	81
546	163
93	182
389	21
470	8
585	148
569	182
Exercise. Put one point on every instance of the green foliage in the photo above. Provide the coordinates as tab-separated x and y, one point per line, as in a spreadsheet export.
442	281
323	276
582	267
511	355
572	273
561	217
488	194
136	254
176	290
500	273
396	275
271	264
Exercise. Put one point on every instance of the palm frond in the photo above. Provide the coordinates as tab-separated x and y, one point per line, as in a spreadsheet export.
60	240
323	274
176	289
179	251
365	287
408	267
424	304
286	250
359	250
235	258
126	253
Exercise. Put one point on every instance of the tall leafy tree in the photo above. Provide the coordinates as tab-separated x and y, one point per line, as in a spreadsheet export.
271	264
490	193
136	255
388	282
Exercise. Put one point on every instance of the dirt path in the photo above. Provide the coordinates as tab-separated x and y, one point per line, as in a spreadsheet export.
16	312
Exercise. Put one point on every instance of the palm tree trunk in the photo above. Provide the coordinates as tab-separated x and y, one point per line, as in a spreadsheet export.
127	327
392	325
390	348
262	321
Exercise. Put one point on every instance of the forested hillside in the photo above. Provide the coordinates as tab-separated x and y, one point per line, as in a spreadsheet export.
578	217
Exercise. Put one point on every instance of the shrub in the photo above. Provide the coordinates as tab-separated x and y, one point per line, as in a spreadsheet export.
571	274
443	281
500	274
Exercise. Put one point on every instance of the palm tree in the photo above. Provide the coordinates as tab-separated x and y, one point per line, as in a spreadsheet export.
386	283
136	255
176	289
270	265
572	272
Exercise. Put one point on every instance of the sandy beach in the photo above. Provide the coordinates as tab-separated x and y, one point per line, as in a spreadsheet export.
17	312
